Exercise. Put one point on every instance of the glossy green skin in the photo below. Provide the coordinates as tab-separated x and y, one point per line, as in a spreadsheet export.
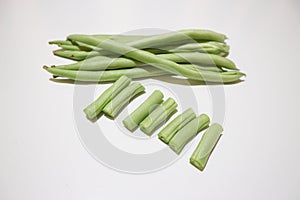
95	108
206	145
188	132
122	98
158	116
132	121
168	132
160	63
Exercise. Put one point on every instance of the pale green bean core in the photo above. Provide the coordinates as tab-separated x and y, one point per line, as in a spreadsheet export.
158	116
132	121
206	145
95	108
122	99
188	132
168	132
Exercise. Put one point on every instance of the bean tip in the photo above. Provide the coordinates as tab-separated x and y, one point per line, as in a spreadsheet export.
45	67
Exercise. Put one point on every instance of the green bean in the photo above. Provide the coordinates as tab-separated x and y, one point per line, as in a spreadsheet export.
210	47
163	39
161	63
188	132
106	76
70	47
87	50
103	62
121	38
135	73
206	145
168	132
100	63
75	55
203	58
167	38
60	42
132	121
158	116
122	98
95	108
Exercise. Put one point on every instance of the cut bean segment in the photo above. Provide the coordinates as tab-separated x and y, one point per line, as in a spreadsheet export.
188	132
122	99
168	132
158	116
206	145
132	121
95	108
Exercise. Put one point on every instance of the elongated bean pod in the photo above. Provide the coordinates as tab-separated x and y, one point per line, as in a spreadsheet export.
171	37
100	63
138	72
106	76
203	58
210	47
86	50
104	62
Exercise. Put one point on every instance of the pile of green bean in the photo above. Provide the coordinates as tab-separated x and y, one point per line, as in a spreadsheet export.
193	54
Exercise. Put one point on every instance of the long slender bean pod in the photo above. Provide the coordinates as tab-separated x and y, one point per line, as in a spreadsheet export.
94	109
106	76
188	132
104	62
168	132
122	98
75	55
176	36
158	116
206	145
85	53
132	121
210	47
203	58
100	63
135	73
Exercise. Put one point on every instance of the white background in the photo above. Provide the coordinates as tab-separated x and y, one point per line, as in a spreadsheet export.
41	156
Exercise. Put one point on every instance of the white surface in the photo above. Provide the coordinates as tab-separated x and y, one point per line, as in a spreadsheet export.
257	158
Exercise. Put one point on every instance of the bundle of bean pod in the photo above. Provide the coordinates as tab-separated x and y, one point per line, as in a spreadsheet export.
193	54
